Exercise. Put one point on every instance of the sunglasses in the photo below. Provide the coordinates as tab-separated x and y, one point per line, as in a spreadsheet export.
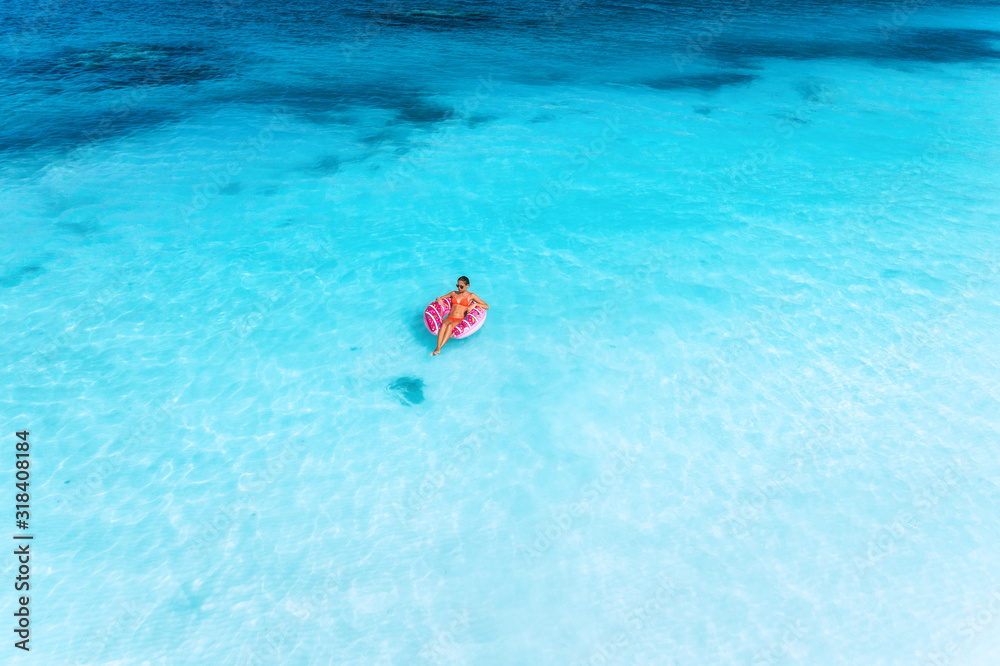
459	286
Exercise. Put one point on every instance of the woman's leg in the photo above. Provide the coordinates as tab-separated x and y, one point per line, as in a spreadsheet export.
443	334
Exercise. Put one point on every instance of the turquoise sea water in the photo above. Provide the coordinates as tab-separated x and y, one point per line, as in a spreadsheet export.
736	401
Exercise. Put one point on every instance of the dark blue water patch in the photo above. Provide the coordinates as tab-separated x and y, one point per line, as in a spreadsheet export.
703	110
918	279
704	293
943	45
536	74
327	164
813	91
932	45
117	65
408	390
563	76
392	134
708	81
542	118
188	599
88	228
421	113
476	120
18	275
78	131
376	139
556	76
791	118
335	100
430	18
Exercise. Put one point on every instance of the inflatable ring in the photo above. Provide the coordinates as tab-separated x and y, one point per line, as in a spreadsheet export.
436	313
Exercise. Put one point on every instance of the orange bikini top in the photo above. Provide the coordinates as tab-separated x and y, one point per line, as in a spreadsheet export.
467	303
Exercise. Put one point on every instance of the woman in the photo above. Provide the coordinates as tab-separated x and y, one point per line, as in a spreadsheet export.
461	301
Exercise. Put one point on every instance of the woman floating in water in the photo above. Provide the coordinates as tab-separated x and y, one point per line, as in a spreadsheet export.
461	301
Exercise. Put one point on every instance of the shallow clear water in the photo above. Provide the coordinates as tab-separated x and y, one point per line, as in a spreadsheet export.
736	401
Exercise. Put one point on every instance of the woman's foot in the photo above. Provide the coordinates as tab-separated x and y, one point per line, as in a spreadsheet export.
435	352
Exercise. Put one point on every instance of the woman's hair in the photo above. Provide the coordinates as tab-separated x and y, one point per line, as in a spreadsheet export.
465	280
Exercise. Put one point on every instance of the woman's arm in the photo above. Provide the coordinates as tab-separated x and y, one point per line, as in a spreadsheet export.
480	301
448	295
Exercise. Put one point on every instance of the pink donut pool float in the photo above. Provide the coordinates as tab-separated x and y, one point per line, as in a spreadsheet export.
436	313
